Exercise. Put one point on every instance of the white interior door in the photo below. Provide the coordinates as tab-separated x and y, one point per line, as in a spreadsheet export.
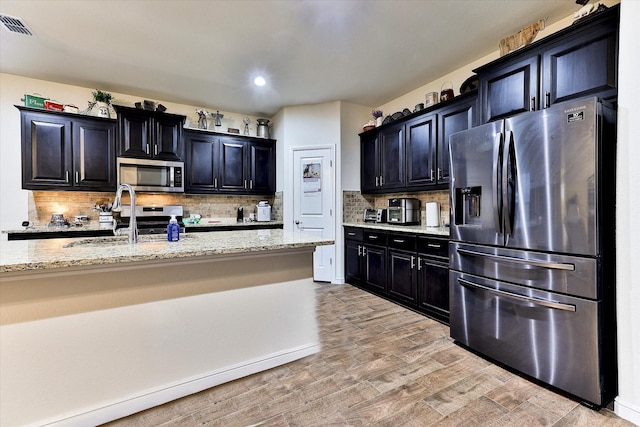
313	211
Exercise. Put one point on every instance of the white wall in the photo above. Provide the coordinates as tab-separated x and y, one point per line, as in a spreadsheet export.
628	206
13	200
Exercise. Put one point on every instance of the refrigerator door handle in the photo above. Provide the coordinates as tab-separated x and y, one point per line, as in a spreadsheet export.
497	205
532	262
506	202
536	301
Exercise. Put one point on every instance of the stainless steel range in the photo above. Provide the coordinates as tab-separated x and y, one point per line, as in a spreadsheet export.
151	219
532	264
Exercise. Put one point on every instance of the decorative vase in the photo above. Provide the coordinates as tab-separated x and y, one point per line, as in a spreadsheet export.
378	121
102	110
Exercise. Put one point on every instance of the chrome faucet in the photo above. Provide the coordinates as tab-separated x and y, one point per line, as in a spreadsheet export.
117	207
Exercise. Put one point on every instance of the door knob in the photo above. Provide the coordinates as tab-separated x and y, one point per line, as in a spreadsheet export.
297	222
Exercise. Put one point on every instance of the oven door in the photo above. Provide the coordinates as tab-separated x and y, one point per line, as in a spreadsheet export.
549	336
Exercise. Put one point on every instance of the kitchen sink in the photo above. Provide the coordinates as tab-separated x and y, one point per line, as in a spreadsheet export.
122	240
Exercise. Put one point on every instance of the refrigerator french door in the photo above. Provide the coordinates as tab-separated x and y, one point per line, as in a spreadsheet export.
532	259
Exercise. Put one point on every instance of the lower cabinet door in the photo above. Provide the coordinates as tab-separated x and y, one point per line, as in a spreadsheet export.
352	261
375	268
402	278
433	289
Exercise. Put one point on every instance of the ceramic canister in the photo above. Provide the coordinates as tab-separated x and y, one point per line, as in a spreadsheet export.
431	98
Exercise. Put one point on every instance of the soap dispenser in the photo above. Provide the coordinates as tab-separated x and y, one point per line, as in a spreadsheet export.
173	230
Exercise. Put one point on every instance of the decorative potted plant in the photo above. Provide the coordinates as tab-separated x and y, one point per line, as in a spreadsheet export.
377	116
102	100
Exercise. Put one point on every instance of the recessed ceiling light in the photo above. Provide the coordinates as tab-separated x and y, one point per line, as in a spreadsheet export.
259	81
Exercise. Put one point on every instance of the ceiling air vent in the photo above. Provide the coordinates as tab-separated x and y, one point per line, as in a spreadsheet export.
14	25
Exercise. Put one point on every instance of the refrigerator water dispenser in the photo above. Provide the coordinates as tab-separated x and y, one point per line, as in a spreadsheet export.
468	208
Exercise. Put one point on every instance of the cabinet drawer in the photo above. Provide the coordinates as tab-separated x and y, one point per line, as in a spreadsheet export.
353	233
433	246
406	242
375	237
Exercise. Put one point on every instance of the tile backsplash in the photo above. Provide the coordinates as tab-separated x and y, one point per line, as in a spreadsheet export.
71	203
355	203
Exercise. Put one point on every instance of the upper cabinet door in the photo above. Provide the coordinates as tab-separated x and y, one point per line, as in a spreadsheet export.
369	163
167	141
420	151
262	161
392	160
134	135
581	66
46	152
456	118
94	154
509	90
201	163
233	164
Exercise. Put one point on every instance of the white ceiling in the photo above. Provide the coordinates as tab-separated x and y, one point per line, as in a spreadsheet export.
206	53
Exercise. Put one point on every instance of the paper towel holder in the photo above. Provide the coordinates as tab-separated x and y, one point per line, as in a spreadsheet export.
432	212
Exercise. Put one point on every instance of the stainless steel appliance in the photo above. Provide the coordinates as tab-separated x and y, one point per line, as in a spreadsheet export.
532	280
374	215
150	175
151	219
404	211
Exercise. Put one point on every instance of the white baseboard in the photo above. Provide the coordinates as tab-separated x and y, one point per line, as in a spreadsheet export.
150	398
626	410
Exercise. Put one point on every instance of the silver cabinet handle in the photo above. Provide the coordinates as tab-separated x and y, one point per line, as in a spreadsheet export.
372	237
245	183
359	250
250	184
377	181
398	240
431	175
419	263
413	262
215	182
148	151
66	176
155	149
77	177
533	262
351	234
439	173
532	300
433	245
364	251
381	180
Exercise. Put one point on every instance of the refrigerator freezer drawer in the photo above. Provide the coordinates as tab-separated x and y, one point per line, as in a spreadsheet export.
573	275
551	337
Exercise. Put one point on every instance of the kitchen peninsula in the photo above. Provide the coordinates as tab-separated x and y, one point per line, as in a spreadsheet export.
95	329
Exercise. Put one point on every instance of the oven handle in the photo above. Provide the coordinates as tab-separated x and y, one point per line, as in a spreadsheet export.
536	301
534	262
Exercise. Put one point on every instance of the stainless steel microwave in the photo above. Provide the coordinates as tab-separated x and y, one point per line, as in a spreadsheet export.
153	176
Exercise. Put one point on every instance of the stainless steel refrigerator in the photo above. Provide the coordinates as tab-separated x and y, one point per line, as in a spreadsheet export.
532	252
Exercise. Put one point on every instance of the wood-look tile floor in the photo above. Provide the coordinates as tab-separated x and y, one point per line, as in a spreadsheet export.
380	365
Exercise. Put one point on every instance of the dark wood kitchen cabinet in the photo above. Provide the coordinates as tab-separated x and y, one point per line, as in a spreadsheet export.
420	151
403	262
63	151
149	134
412	153
382	160
433	277
218	163
575	62
366	259
407	268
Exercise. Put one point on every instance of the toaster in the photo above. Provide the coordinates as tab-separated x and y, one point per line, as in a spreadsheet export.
375	215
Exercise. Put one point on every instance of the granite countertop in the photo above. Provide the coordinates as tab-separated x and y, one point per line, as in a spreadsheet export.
96	226
29	255
418	229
